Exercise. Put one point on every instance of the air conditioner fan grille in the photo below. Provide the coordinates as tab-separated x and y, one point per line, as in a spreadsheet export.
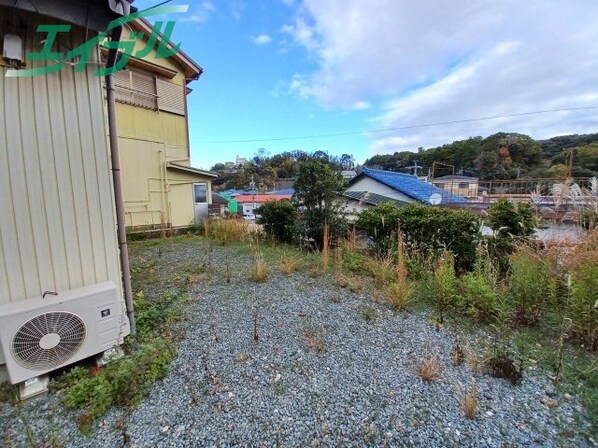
48	340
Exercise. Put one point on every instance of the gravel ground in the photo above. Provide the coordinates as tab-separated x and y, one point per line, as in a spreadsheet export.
329	368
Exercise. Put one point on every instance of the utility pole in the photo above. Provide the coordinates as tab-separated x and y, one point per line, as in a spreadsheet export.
252	185
570	164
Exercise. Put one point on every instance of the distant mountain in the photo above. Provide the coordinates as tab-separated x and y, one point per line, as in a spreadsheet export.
499	156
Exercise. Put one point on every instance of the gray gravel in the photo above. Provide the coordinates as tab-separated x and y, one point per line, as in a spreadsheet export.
361	389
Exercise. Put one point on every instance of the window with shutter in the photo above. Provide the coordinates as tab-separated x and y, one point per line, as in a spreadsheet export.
171	97
137	89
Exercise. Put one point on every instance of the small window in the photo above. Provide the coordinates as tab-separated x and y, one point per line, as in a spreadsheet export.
463	185
201	193
439	185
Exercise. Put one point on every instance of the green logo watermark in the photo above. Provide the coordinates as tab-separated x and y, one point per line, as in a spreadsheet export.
81	55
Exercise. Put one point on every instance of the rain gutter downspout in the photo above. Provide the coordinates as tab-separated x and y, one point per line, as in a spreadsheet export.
116	180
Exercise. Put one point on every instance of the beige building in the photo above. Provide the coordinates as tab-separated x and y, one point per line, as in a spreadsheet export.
161	189
459	185
59	254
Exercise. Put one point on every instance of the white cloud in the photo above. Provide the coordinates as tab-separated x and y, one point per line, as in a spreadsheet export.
262	39
429	61
361	105
201	13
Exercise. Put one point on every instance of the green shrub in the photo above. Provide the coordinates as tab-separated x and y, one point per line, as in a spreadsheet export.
512	219
122	382
353	260
443	284
478	297
528	286
380	224
582	306
278	219
431	230
503	361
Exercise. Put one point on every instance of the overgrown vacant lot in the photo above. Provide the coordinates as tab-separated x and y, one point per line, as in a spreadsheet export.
262	358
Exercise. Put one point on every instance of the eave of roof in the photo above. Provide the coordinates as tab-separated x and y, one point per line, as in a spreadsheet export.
91	14
370	198
192	69
190	169
249	198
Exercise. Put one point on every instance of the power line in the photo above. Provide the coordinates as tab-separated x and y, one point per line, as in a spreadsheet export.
400	128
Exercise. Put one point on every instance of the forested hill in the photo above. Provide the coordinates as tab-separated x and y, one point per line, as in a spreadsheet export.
500	156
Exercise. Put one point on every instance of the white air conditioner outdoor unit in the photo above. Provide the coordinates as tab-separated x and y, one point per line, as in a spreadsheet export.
38	336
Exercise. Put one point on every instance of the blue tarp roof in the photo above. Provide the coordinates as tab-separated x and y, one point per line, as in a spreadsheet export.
410	185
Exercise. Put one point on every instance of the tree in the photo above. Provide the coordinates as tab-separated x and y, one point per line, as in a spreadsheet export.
317	188
347	162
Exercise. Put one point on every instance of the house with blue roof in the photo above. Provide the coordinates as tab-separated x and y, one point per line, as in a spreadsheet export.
371	187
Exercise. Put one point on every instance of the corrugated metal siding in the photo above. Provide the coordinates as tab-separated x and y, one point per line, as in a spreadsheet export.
57	224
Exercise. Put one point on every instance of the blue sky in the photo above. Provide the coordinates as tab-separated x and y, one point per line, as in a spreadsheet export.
276	69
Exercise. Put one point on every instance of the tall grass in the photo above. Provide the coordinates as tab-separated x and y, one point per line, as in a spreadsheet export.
529	285
582	304
289	263
443	284
259	270
399	292
382	269
225	231
478	294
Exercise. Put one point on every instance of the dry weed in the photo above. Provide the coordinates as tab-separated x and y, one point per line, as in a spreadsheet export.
470	402
314	339
381	269
354	284
398	294
289	264
429	369
259	270
473	360
458	354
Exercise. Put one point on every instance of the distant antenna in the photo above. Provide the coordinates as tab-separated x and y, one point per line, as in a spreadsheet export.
415	167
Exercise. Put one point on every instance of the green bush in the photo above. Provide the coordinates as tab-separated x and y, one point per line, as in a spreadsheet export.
353	260
443	284
380	224
311	224
122	382
278	219
430	230
511	219
529	288
478	298
582	306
